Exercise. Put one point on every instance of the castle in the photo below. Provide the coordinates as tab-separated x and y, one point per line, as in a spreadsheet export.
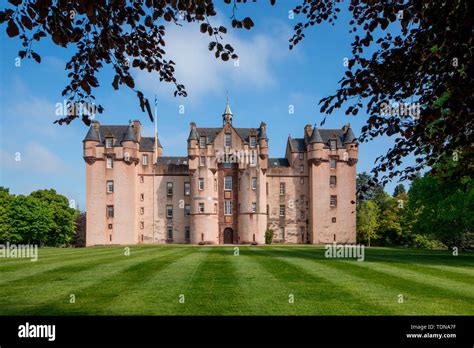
225	191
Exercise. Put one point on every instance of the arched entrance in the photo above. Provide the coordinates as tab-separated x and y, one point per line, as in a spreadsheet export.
228	236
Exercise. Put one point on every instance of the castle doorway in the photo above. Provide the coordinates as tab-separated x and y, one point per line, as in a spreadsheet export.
228	236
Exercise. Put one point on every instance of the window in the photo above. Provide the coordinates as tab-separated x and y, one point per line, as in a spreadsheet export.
282	189
142	196
110	162
227	140
333	220
228	165
142	210
253	141
201	184
228	183
301	169
187	233
169	232
110	211
302	199
109	143
202	161
333	202
142	179
110	186
333	144
282	233
187	210
202	142
333	162
302	215
215	208
187	188
145	160
268	209
169	188
332	180
227	207
110	226
169	211
302	181
302	230
142	225
301	156
201	208
254	207
215	184
282	210
253	158
254	183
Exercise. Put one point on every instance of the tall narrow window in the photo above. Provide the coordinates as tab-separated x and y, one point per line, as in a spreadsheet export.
268	209
227	140
201	184
282	189
142	210
333	201
169	232
302	181
110	211
332	180
227	207
142	179
202	142
301	155
333	144
110	162
228	183
142	196
109	143
302	215
201	208
254	207
142	225
202	161
169	211
253	158
254	183
282	210
110	186
169	188
333	162
187	233
187	210
253	141
282	233
301	169
215	184
145	160
187	188
215	208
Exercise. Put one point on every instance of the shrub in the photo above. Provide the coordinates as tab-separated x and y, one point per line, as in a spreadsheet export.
268	236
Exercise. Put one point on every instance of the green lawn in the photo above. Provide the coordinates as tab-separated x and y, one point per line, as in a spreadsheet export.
257	282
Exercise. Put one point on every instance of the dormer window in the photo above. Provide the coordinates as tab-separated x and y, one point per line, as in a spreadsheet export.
333	144
202	142
227	140
109	143
253	141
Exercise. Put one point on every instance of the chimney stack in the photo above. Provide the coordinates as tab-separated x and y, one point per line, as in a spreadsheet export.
346	127
137	129
308	130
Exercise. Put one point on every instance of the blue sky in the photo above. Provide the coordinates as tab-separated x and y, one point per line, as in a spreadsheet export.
268	79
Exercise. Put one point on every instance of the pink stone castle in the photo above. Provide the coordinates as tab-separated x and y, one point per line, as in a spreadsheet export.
225	191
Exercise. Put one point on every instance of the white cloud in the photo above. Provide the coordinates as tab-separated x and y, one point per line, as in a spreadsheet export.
202	73
35	158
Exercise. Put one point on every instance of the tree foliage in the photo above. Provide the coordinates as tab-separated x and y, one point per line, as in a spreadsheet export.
43	217
367	222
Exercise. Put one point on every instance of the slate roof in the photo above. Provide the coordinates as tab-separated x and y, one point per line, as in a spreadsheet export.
299	144
172	160
211	133
119	134
278	162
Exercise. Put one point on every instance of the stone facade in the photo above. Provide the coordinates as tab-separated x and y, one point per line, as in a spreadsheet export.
225	191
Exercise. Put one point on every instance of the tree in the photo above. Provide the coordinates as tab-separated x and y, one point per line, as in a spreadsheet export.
5	221
398	189
367	221
366	188
416	51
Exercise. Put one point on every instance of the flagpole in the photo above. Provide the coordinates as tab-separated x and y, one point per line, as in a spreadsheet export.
155	163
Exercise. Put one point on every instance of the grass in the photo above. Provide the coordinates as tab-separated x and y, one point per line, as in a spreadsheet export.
260	281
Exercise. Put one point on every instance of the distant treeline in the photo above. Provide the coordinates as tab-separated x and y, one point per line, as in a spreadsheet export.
436	212
43	217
